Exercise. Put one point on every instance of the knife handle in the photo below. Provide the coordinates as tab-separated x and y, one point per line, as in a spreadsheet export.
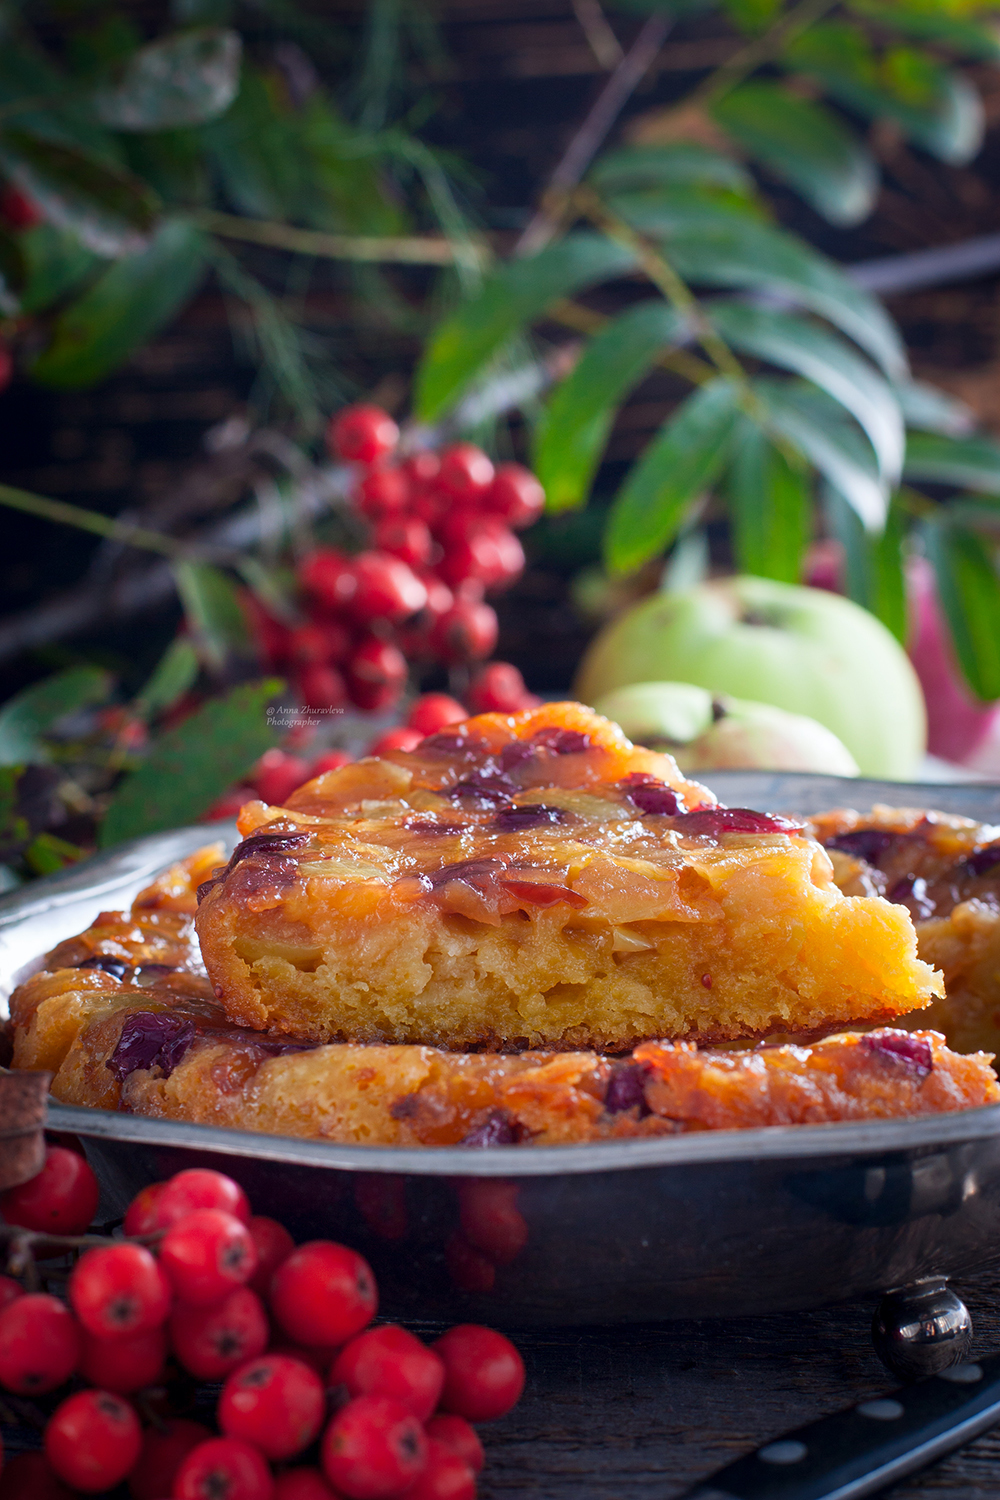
868	1446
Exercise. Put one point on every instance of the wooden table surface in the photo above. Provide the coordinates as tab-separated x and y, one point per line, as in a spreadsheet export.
636	1412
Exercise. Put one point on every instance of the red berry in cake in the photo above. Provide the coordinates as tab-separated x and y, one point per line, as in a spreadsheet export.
39	1344
271	1240
467	632
276	1402
373	1448
515	496
164	1449
207	1254
200	1187
434	711
92	1440
61	1199
323	1293
328	575
388	1361
211	1341
125	1363
459	1437
223	1469
361	434
387	589
118	1289
484	1374
466	473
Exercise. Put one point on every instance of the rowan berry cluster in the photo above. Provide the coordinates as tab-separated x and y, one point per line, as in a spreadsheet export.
441	529
315	1404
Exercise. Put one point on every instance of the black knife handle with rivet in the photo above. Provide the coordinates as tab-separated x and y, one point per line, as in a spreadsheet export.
860	1450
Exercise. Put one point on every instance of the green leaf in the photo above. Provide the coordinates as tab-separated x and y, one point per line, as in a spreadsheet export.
507	303
108	209
184	79
574	430
971	463
875	577
189	767
666	211
173	674
822	432
932	23
256	152
793	343
683	164
124	308
32	712
761	258
769	503
928	409
805	145
969	591
213	611
47	854
684	457
56	262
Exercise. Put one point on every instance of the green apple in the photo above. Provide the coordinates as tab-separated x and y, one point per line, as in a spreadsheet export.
710	733
804	650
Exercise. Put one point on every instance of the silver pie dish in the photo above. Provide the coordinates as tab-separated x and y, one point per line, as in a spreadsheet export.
717	1223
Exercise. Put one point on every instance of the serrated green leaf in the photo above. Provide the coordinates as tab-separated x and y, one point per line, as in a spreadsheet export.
124	308
214	615
684	457
875	577
108	209
928	409
761	258
507	303
769	503
969	592
823	433
31	713
793	343
178	80
57	263
971	463
173	674
805	145
683	164
933	23
189	767
572	435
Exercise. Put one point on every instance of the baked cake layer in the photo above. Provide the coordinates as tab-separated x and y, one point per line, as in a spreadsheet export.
537	881
945	871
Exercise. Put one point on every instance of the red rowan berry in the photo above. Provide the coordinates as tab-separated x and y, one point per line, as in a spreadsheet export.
206	1254
323	688
422	468
302	1484
373	1448
19	211
92	1440
323	1293
9	1290
387	589
434	711
459	1437
329	576
271	636
211	1341
400	738
272	1242
126	1363
445	1477
118	1289
383	493
39	1344
30	1476
515	496
484	1374
164	1449
467	632
140	1216
276	1402
330	760
223	1469
361	434
61	1199
406	537
377	674
498	688
490	1218
200	1187
388	1361
466	472
275	778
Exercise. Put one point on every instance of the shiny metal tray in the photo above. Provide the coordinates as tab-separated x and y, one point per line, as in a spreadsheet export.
712	1224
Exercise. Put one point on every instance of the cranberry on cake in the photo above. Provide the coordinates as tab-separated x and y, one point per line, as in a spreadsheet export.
535	880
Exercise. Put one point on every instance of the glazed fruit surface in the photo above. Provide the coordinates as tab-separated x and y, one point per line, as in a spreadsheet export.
534	880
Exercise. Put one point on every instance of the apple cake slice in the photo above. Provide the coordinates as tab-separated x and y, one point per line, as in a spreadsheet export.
533	881
945	871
